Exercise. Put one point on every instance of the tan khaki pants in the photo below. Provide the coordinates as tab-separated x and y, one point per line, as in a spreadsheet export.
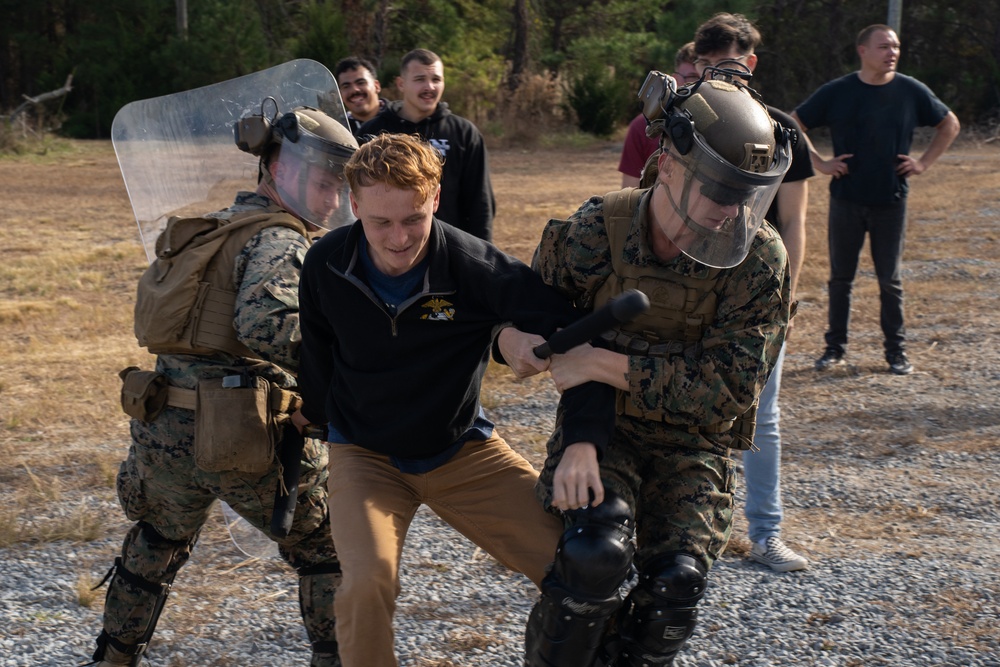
486	492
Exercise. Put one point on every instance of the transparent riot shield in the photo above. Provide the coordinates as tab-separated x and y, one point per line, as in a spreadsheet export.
177	153
178	156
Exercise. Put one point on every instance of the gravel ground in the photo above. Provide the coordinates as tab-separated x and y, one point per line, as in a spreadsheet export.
890	490
901	539
460	608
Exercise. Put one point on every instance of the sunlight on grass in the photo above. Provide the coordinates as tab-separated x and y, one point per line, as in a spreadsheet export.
47	491
107	469
20	522
85	593
82	525
46	148
58	272
9	525
15	312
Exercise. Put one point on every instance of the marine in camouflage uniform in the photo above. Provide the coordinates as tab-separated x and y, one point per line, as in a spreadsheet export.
688	374
161	486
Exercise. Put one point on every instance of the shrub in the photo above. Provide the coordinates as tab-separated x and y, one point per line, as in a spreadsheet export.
596	99
535	109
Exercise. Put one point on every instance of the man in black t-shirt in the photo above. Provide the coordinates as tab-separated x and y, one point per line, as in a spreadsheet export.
871	114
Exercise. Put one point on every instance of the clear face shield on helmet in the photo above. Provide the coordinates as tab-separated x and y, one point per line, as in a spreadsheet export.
719	207
303	153
719	200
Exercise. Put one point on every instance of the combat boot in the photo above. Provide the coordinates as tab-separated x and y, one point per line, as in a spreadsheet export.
115	658
109	655
320	659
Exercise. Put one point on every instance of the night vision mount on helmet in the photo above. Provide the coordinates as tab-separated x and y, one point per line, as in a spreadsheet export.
727	144
323	141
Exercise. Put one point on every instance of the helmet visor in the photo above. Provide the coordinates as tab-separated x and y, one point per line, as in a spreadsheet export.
719	206
310	174
311	185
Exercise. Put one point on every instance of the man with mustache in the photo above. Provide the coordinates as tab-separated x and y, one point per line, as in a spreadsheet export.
467	200
359	88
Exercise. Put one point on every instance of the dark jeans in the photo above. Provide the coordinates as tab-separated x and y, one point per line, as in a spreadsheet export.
886	229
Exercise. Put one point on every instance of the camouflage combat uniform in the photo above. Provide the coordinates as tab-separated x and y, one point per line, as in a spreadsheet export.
161	488
672	466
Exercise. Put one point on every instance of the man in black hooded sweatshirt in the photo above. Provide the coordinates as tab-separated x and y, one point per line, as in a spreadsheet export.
467	200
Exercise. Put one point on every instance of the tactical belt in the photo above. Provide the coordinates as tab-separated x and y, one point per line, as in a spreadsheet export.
635	344
283	401
181	398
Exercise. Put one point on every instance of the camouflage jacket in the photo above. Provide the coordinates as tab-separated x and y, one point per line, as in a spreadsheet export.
723	376
267	308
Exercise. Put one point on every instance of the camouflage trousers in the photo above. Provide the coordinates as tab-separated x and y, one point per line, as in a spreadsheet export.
161	488
682	498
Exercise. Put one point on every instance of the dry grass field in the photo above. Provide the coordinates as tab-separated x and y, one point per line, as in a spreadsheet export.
70	259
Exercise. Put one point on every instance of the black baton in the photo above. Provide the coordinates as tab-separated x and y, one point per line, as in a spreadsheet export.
620	310
287	492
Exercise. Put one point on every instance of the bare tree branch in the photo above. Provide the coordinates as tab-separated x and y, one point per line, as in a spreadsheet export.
44	97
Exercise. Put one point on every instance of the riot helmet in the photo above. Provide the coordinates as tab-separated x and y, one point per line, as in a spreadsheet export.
728	158
307	150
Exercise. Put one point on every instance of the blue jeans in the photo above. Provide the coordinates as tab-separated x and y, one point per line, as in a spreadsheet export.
762	470
886	229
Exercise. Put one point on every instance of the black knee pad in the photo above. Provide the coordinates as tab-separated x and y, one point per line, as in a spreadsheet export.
581	594
595	553
661	612
674	579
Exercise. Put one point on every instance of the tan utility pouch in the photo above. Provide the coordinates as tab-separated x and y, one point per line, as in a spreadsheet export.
234	427
144	393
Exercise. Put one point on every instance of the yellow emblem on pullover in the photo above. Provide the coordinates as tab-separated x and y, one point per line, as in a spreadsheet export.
442	310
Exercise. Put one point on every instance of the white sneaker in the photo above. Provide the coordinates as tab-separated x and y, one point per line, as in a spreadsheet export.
777	556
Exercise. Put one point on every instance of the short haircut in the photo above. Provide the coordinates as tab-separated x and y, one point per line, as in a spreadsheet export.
685	54
403	161
353	62
422	56
724	30
866	33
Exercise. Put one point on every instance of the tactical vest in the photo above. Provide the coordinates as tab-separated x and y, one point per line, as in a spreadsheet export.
681	308
186	299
